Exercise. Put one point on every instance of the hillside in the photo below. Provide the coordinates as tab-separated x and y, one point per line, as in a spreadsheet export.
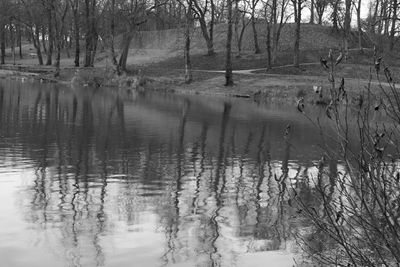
164	49
313	37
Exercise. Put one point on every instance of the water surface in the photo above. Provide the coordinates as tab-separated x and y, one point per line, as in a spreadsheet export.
101	177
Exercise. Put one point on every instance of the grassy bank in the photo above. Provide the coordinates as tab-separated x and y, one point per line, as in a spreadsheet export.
252	80
163	71
280	84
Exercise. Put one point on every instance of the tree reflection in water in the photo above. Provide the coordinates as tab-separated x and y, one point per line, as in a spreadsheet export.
219	186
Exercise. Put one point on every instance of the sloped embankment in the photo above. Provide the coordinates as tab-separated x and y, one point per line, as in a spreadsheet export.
313	37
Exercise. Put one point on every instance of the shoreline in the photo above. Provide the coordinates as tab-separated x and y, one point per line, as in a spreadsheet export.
267	88
258	87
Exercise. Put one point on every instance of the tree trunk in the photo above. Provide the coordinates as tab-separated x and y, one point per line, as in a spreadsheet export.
188	65
75	10
274	28
277	28
237	18
269	62
208	34
296	58
58	55
347	21
94	50
51	36
3	44
19	39
65	45
335	15
241	37
380	23
385	15
94	33
209	41
36	43
228	63
255	35
212	21
275	46
395	5
88	37
44	40
91	34
312	12
374	17
126	42
59	28
320	7
112	26
240	34
359	26
12	41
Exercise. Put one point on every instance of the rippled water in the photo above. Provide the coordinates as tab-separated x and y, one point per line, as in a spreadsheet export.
100	177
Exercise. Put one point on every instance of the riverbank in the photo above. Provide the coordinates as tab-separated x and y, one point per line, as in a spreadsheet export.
151	71
259	87
263	88
281	83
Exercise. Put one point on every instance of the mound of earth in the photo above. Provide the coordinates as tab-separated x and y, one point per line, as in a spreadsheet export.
314	37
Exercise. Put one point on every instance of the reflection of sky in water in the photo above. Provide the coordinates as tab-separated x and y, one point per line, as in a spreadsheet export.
137	234
101	178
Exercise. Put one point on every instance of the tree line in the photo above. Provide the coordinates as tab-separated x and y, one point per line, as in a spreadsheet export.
82	26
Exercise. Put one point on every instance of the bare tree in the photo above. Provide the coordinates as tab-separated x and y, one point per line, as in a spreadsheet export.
320	7
278	20
385	13
298	6
112	32
33	23
59	19
135	14
347	22
75	6
335	5
374	16
268	17
188	6
395	6
12	39
2	44
359	27
228	61
19	32
4	5
188	65
203	10
220	6
312	8
253	8
91	32
240	17
356	221
49	7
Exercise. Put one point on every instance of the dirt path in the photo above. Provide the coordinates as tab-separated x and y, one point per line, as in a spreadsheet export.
270	87
249	83
285	79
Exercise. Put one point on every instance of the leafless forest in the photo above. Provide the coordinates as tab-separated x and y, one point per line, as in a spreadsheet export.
79	28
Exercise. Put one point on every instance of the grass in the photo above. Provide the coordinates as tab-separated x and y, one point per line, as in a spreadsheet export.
248	60
357	65
283	82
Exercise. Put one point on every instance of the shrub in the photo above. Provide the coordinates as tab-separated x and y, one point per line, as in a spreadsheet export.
356	221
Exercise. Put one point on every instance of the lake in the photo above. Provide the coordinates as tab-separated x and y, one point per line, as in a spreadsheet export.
107	177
